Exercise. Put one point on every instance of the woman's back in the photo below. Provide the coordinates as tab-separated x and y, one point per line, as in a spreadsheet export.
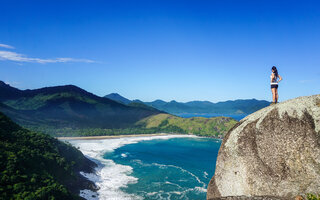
274	78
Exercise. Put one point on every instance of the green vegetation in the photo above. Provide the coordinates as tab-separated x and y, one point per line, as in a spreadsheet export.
72	111
39	100
68	107
312	197
196	125
102	132
37	166
161	123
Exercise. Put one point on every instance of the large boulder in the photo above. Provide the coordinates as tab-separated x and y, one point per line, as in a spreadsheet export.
273	152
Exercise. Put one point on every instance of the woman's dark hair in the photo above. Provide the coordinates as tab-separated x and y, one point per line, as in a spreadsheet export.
275	71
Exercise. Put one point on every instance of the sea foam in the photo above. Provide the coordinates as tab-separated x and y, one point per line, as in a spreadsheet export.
109	176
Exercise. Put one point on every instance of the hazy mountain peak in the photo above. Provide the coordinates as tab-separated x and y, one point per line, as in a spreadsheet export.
114	94
117	97
159	101
137	101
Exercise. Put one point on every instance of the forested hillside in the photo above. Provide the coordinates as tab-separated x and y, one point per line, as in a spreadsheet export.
67	107
37	166
71	111
162	123
212	127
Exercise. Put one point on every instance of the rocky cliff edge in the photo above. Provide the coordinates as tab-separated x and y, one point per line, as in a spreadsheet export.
273	153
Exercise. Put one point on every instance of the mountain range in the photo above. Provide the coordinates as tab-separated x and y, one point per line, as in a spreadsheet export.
71	111
243	107
68	106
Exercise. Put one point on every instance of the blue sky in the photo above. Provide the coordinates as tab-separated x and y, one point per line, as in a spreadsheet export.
182	50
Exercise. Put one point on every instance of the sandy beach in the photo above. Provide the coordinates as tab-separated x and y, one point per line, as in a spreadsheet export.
113	136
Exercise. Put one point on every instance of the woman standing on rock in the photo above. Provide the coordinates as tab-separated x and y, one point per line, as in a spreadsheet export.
275	79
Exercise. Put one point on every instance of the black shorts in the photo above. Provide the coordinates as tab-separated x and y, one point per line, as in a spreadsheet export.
274	86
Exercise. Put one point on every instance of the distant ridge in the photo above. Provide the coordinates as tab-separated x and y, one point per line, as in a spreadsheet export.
240	106
117	97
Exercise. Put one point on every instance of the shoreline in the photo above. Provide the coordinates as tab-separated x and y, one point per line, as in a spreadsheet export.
111	176
94	147
116	136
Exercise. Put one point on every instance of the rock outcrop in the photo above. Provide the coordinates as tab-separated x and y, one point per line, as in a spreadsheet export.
274	152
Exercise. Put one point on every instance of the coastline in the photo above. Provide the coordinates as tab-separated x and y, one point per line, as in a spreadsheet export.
107	173
109	176
116	136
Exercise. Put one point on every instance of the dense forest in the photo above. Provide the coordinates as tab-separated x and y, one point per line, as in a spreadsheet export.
161	123
37	166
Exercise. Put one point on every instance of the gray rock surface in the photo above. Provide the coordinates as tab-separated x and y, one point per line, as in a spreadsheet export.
272	152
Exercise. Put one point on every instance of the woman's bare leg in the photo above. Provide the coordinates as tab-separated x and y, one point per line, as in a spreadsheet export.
273	90
277	96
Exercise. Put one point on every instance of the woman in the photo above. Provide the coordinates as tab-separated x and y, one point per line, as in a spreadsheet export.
275	79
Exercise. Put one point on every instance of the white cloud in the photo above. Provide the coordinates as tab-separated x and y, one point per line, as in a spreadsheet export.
6	46
13	56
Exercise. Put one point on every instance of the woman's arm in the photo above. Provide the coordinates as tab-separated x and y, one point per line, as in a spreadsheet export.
280	78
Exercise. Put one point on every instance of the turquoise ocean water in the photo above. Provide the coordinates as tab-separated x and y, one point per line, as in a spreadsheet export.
174	168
